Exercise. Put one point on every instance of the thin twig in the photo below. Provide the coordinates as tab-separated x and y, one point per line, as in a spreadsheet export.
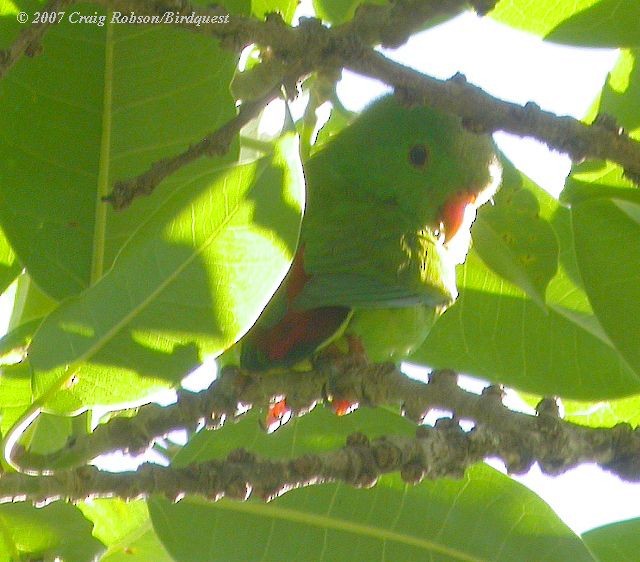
215	144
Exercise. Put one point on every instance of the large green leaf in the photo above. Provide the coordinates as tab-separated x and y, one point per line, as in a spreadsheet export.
30	306
190	282
618	542
512	238
497	332
57	531
592	23
607	240
99	105
605	221
484	516
537	16
603	414
619	99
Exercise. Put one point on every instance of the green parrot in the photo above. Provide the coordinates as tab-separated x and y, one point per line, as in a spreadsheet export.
386	199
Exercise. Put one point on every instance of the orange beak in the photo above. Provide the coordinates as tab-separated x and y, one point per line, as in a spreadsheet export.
452	212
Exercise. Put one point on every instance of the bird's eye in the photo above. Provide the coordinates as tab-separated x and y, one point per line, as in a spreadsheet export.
418	155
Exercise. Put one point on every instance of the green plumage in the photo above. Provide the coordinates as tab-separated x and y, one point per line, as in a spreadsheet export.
381	197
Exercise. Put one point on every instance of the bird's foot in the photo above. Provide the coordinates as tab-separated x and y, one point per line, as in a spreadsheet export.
278	414
343	407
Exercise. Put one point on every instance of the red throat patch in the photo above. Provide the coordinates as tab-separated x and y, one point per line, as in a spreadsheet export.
452	212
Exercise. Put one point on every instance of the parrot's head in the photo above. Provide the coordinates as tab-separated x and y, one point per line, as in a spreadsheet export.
424	162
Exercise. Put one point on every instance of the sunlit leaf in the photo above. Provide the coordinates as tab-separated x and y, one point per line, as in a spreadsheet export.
604	413
15	393
484	516
607	235
125	528
513	240
339	11
9	265
100	104
608	23
591	23
192	280
57	531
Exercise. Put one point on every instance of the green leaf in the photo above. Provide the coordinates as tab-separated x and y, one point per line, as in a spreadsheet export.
495	331
590	23
30	306
618	99
339	11
605	217
607	237
513	240
30	302
603	413
620	94
618	542
126	530
608	23
337	121
47	433
15	393
96	107
192	280
16	341
286	8
537	16
484	516
57	531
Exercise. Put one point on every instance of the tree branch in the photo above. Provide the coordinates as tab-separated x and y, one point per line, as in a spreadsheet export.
484	113
389	25
520	440
434	453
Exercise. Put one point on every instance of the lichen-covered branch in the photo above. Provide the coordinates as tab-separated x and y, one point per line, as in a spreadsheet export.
29	39
444	450
519	439
434	453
